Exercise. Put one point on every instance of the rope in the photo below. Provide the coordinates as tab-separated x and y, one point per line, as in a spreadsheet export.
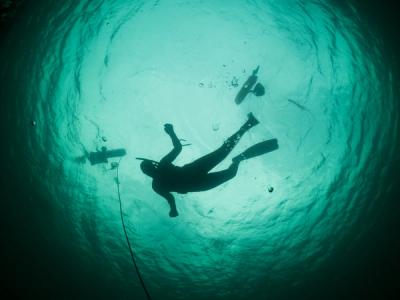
127	239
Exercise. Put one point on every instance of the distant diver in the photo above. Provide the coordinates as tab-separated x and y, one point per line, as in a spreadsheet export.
196	176
247	87
102	156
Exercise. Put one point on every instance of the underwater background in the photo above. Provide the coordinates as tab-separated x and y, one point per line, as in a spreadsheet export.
77	76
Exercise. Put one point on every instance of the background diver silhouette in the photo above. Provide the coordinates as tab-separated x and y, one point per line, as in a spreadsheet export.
196	176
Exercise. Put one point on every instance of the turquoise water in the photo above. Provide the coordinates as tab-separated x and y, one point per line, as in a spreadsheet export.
89	74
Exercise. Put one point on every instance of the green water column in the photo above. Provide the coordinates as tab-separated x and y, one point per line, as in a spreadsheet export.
112	73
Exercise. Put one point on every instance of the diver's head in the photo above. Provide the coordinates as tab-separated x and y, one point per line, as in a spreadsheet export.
149	167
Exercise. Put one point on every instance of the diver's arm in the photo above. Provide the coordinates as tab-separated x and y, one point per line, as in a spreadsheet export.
170	199
175	141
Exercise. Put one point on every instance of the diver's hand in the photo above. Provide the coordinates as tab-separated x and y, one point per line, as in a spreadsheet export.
173	213
168	128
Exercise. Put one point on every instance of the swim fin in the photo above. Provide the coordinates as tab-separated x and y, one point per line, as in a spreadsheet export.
257	150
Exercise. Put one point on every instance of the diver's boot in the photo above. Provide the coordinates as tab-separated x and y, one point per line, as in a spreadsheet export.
232	141
251	121
238	158
233	168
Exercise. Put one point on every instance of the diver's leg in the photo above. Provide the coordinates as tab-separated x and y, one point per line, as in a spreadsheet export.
206	163
214	179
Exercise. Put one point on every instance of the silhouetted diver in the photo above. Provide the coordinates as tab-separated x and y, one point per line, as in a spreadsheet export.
195	177
258	90
102	156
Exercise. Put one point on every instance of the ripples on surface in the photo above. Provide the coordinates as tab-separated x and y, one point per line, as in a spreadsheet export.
118	70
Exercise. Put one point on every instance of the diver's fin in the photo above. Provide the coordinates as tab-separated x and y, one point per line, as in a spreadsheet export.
257	150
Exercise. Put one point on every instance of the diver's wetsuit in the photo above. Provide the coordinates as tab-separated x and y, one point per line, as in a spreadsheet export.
195	177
